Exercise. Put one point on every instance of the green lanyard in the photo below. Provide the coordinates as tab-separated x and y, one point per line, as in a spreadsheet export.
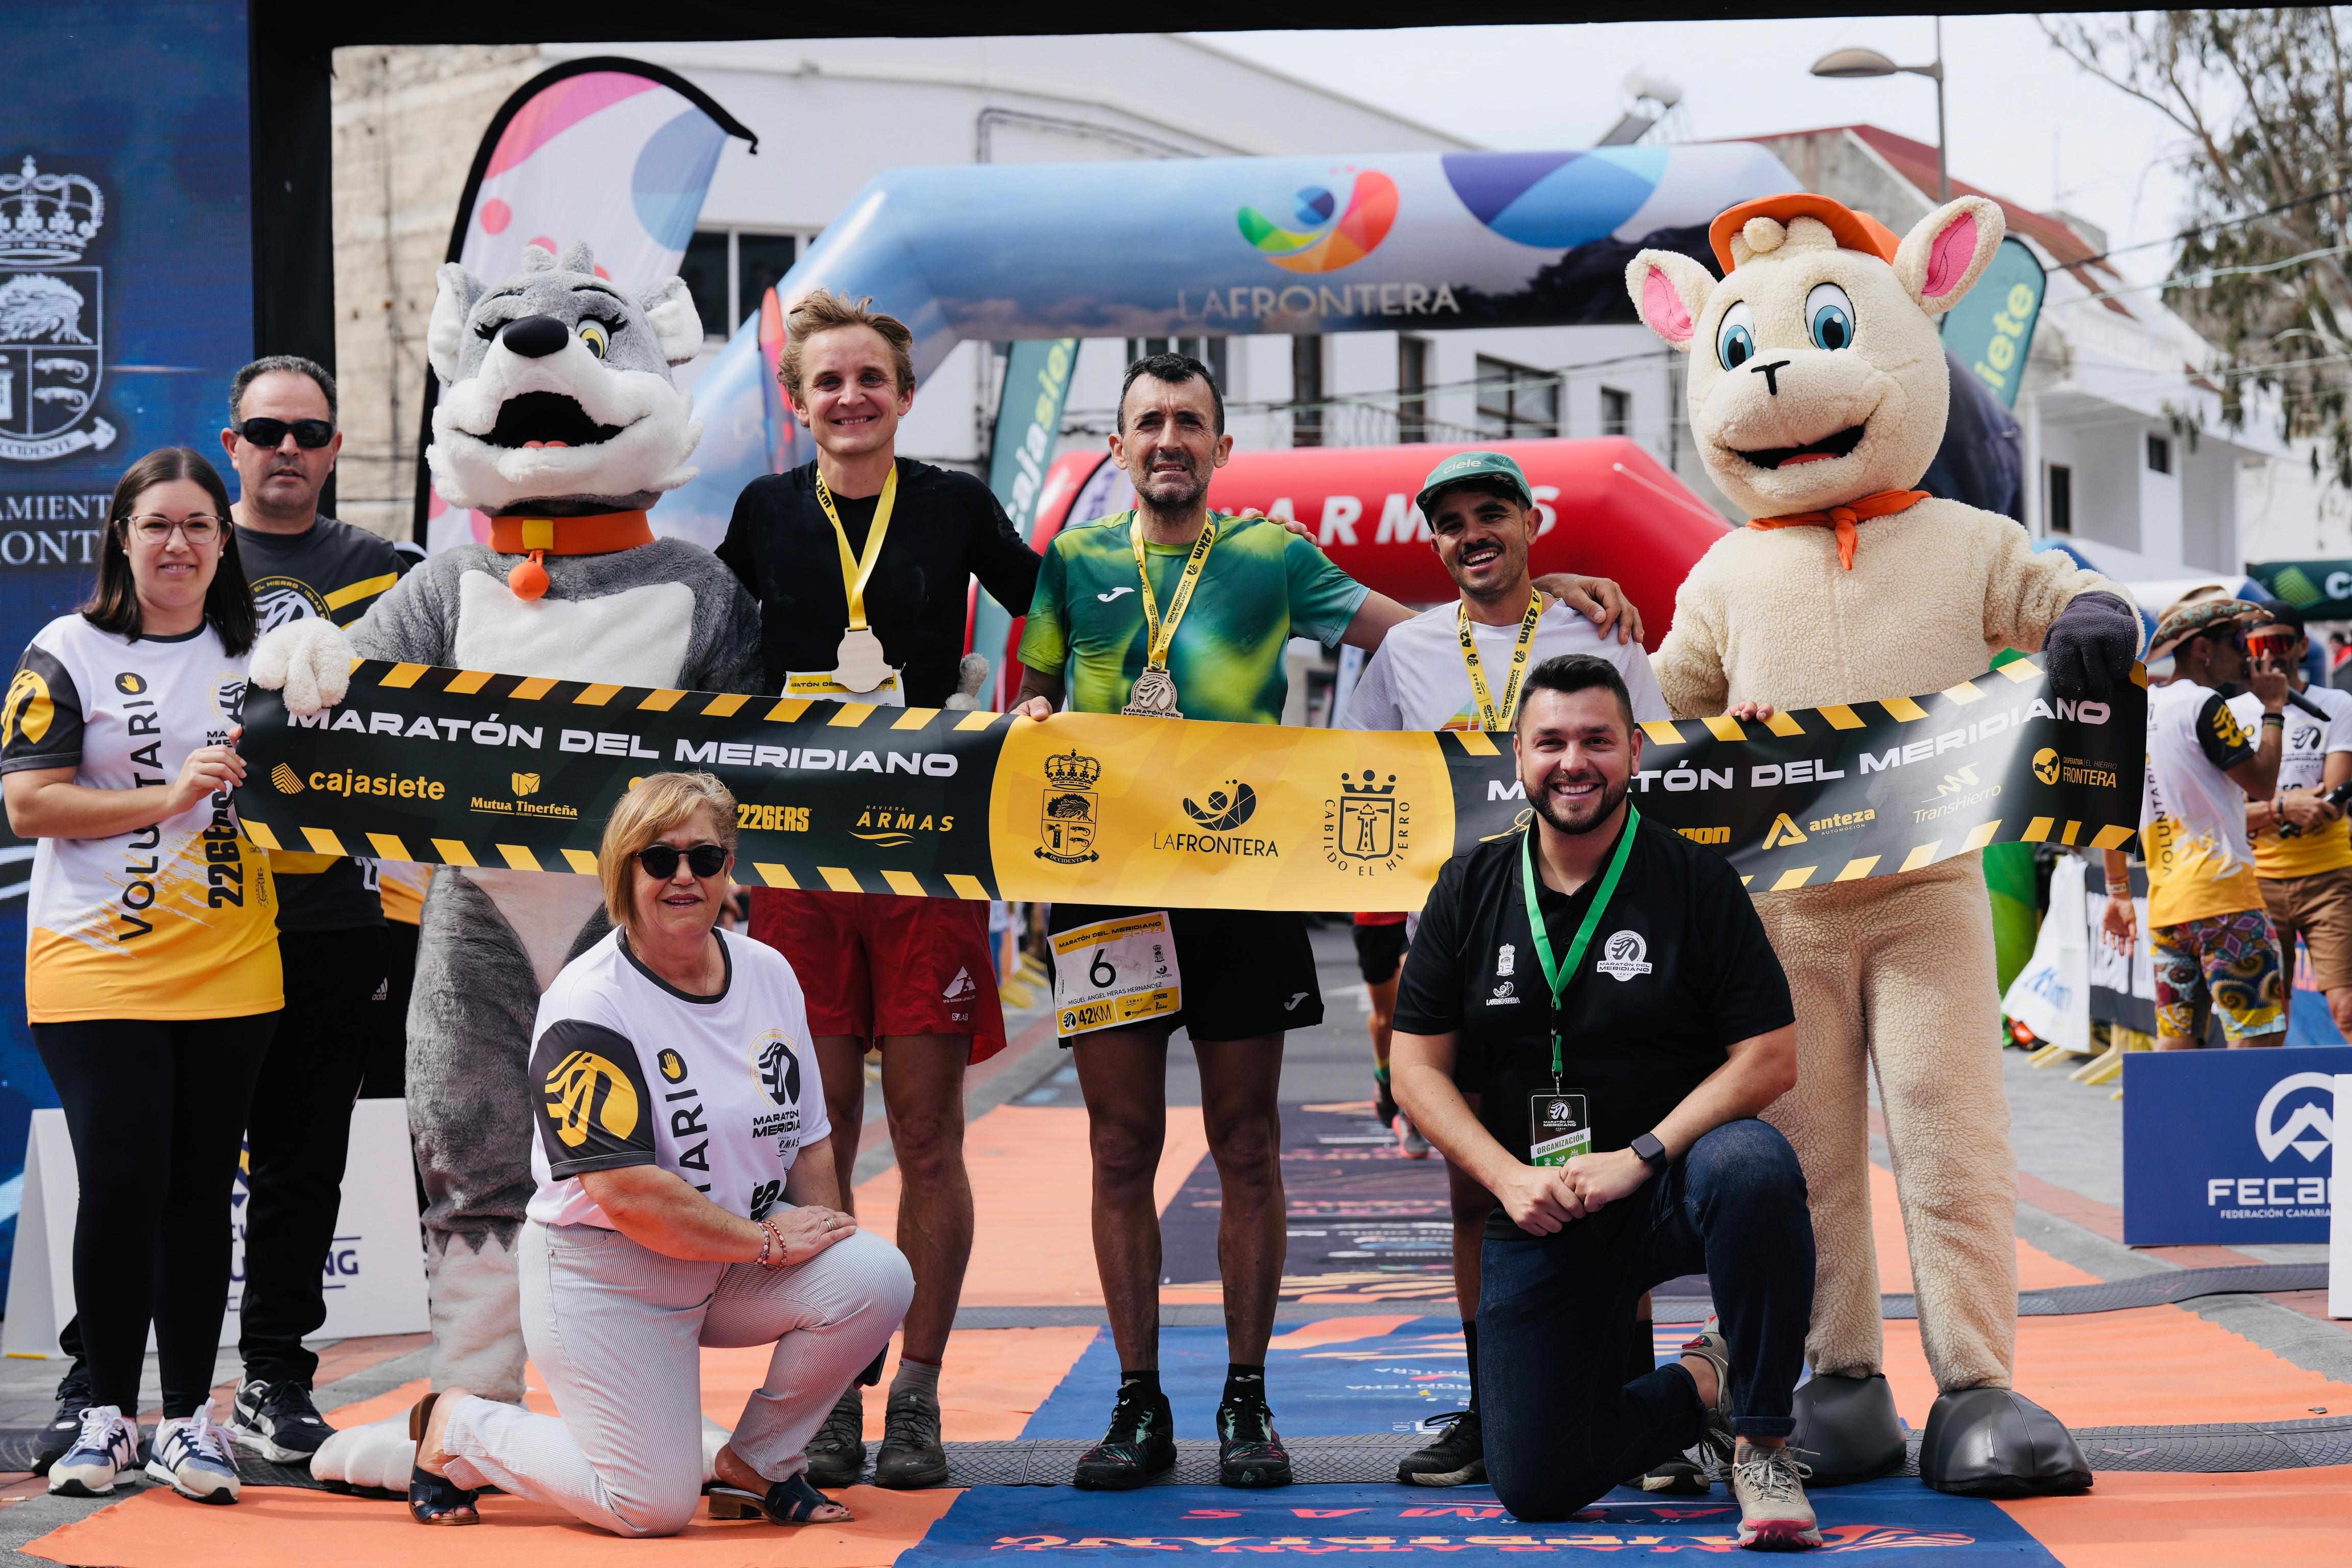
1560	977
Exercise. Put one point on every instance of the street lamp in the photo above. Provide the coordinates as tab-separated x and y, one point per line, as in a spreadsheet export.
1851	63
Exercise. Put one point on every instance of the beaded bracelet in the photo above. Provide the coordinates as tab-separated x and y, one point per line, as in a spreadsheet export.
777	1237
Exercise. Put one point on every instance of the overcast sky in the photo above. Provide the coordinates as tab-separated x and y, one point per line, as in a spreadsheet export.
2023	122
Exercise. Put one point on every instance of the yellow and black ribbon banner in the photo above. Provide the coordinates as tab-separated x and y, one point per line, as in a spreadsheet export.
471	769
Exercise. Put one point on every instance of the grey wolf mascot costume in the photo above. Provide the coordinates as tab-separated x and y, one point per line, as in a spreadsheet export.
559	418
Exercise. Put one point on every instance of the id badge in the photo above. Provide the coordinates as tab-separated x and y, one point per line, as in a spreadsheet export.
1557	1129
821	683
1115	972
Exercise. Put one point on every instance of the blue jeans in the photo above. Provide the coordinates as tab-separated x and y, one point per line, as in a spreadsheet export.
1554	1313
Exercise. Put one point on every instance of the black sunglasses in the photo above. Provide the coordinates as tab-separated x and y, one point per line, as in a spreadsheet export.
308	434
660	860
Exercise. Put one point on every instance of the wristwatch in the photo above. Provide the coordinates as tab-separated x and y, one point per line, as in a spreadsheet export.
1652	1152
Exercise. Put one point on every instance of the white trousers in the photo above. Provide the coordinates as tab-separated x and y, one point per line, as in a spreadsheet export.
615	1329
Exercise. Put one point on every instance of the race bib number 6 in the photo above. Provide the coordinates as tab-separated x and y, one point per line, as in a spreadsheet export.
1115	972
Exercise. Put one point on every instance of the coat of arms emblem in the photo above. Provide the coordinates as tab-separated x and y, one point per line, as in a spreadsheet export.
52	316
1066	824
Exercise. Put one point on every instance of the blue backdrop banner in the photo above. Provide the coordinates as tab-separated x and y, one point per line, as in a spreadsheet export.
126	302
2229	1147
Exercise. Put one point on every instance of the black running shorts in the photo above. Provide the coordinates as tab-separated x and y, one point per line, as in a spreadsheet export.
1243	973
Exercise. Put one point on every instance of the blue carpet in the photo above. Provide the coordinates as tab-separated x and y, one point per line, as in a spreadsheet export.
1387	1384
1897	1521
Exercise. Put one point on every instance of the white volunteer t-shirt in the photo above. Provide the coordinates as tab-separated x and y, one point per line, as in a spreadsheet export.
724	1090
2303	764
176	920
1416	679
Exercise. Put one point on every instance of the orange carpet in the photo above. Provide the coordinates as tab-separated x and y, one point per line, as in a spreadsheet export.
2273	1519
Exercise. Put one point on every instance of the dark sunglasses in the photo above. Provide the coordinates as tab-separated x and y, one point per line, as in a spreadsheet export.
308	434
660	860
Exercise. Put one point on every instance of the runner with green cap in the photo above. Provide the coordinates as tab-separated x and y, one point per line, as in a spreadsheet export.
1462	666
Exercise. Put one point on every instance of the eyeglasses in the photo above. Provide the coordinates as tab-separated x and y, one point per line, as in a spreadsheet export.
308	434
660	860
201	527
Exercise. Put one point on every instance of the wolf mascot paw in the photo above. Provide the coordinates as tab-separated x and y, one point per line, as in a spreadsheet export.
970	676
308	659
377	1457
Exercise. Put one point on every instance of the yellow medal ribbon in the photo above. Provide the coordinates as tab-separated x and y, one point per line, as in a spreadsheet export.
1161	634
1491	718
856	571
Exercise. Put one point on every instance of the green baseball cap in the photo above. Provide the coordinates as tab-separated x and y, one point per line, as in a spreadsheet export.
1473	466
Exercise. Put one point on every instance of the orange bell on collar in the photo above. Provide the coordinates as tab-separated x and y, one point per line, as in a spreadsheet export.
536	537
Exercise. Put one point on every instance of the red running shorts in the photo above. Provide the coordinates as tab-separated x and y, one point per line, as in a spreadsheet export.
874	964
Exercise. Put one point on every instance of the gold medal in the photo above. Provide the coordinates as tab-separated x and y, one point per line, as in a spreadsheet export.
1154	694
1492	716
859	665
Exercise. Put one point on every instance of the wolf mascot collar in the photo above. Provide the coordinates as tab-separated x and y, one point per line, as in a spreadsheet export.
557	413
1817	385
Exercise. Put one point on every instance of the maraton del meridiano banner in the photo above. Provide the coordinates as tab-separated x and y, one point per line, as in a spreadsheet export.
467	768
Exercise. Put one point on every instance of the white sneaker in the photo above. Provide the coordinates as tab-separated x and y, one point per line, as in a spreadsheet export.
106	1445
1409	1141
192	1455
1774	1515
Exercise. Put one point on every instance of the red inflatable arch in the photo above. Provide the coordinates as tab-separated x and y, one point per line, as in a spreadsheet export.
1609	508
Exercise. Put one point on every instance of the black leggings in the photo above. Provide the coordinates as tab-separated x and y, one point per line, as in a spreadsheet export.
157	1113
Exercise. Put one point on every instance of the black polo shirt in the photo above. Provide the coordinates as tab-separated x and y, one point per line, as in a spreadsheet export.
1679	971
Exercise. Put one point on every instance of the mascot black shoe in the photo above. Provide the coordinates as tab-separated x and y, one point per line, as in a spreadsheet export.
1848	1429
1996	1443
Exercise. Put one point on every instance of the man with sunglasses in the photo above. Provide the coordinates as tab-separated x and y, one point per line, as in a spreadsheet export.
282	440
2303	845
2209	934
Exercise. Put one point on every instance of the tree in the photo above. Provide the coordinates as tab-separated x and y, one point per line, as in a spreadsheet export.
2261	99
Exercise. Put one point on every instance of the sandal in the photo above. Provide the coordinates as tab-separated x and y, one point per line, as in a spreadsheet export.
436	1499
786	1502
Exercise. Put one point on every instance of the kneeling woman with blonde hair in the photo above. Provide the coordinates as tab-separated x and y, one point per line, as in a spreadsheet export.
687	1197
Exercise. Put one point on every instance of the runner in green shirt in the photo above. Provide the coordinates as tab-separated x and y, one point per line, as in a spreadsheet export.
1171	611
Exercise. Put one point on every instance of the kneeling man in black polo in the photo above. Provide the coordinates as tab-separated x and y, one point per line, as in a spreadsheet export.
1589	1022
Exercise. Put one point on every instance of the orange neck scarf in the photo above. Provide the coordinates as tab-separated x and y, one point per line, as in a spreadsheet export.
1843	518
601	533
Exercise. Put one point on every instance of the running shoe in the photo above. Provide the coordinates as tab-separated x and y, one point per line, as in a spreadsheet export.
56	1439
278	1421
1774	1515
1410	1142
1717	1446
1384	1106
194	1456
105	1444
1458	1458
836	1454
1249	1450
910	1455
1139	1444
1681	1475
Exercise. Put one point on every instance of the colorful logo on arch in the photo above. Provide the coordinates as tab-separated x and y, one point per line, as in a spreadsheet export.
1312	239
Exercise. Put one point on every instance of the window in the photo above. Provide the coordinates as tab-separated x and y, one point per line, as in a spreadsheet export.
2159	454
1413	388
2061	498
704	268
1515	401
1210	352
1305	388
726	271
1616	412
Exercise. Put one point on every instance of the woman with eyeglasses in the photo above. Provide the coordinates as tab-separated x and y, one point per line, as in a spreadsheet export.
687	1196
151	969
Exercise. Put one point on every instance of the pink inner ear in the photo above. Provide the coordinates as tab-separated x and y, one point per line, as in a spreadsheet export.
1948	257
1662	307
